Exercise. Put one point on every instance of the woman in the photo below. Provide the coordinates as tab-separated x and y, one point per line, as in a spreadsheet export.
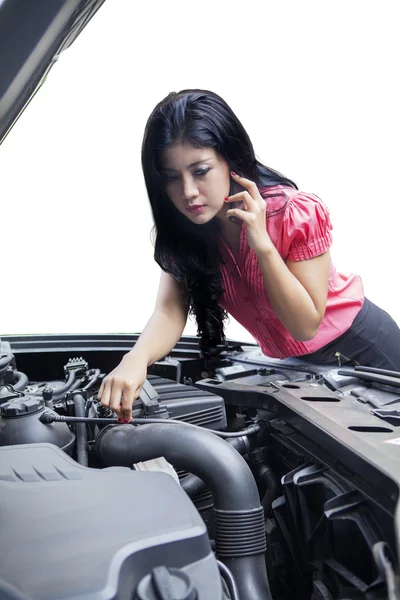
235	236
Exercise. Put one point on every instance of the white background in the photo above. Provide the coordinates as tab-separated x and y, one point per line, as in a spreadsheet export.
315	84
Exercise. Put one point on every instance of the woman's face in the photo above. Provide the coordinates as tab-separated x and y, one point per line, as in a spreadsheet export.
197	181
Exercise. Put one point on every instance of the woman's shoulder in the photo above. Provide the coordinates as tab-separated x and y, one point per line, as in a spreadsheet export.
293	204
298	222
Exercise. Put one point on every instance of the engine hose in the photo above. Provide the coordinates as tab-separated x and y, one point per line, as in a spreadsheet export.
193	485
66	387
77	385
93	379
239	517
5	361
271	486
81	432
21	381
229	580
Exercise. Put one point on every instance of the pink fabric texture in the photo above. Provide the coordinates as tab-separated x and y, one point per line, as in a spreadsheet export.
300	228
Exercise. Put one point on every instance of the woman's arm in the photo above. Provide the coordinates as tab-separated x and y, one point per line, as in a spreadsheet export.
297	290
166	325
122	386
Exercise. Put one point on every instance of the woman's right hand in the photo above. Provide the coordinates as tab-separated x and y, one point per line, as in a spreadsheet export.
122	386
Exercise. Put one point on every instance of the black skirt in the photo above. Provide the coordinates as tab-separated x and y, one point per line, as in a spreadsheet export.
373	340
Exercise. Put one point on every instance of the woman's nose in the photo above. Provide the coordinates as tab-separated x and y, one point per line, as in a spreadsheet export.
190	189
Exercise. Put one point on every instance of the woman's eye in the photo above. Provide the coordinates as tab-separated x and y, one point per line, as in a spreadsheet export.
201	172
169	178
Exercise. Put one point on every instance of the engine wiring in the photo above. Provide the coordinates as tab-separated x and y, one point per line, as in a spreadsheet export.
48	418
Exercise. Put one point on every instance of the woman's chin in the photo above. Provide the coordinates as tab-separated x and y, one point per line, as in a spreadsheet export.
201	218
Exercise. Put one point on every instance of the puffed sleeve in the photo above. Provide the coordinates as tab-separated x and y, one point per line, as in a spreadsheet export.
306	227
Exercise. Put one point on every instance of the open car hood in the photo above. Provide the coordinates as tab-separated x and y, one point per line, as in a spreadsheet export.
32	36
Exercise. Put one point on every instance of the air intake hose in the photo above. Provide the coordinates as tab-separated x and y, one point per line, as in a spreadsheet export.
239	518
81	432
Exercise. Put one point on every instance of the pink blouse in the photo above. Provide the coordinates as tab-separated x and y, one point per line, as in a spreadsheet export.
300	228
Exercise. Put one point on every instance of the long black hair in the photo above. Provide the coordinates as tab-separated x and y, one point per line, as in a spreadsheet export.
187	251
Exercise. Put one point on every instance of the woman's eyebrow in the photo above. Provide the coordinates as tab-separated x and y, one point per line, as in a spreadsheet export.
191	164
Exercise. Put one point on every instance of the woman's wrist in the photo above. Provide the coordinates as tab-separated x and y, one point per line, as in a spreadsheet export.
133	356
264	247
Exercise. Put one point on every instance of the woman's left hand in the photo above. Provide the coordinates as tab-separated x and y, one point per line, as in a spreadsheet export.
253	213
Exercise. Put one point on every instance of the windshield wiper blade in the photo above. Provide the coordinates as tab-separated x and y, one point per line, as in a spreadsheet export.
373	376
377	371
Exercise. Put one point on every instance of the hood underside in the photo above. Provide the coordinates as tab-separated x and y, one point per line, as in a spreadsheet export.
32	36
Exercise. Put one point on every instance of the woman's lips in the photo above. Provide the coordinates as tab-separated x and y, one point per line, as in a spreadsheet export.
195	208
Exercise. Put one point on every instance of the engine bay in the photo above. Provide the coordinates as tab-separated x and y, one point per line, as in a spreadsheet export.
250	478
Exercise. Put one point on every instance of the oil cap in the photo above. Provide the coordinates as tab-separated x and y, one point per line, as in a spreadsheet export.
166	584
22	406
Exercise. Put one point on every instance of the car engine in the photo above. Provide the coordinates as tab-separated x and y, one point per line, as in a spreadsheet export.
249	478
